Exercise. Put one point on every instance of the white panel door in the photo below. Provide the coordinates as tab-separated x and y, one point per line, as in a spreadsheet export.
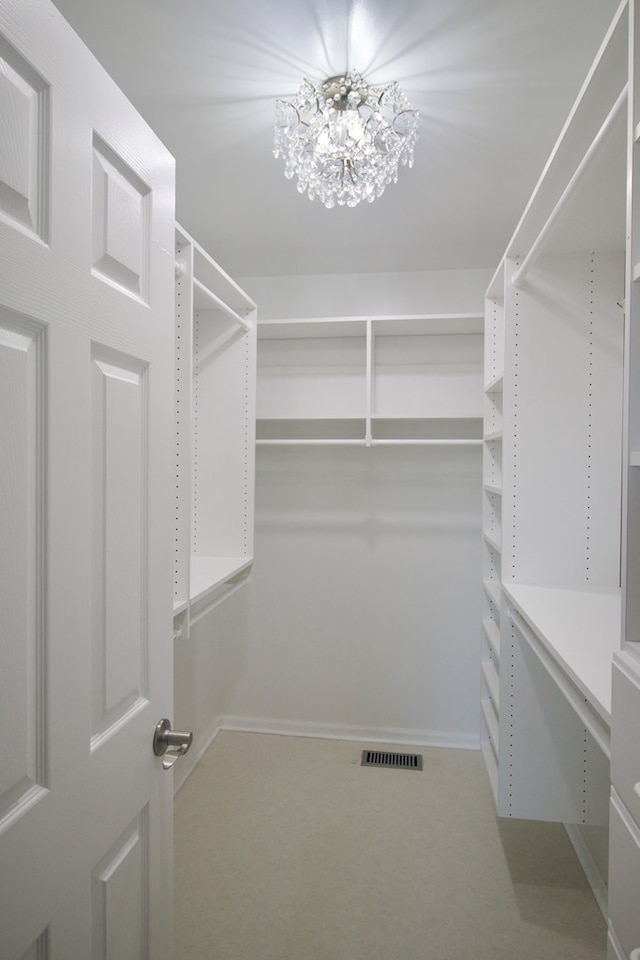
86	426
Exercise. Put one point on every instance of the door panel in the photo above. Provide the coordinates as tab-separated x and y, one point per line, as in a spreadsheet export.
23	759
86	426
120	644
24	146
119	906
120	221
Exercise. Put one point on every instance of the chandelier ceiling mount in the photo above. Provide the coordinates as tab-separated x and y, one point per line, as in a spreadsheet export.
343	139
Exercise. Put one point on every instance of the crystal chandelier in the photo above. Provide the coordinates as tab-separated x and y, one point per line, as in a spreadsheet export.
344	139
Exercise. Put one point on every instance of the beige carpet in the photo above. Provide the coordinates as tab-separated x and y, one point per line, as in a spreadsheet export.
288	849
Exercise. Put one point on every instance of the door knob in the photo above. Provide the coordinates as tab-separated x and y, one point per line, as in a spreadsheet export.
170	744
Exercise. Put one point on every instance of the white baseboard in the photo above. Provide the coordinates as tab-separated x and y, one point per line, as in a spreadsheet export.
338	731
185	766
594	877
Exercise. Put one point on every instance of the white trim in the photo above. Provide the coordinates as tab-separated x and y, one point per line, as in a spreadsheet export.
339	731
595	879
187	764
615	951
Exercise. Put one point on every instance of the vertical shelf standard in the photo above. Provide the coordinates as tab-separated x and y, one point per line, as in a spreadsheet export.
492	524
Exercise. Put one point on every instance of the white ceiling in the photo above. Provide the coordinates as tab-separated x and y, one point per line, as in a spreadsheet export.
493	81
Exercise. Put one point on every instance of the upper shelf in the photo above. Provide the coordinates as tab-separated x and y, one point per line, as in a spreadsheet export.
425	324
593	122
210	278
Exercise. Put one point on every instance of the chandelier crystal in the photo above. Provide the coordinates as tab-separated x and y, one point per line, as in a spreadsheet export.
344	139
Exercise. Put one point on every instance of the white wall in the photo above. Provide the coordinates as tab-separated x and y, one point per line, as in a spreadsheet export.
362	613
364	603
368	294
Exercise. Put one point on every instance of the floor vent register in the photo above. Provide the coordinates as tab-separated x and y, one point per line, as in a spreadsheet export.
399	761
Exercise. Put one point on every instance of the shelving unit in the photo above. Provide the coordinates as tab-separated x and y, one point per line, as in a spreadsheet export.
215	433
560	481
371	381
492	524
624	850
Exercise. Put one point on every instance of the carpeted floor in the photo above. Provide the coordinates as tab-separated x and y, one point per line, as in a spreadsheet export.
288	849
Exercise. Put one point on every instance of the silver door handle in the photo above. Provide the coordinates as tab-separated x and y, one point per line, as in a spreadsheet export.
170	744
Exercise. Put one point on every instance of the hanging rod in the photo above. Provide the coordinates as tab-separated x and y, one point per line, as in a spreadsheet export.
306	441
321	441
535	249
429	442
230	312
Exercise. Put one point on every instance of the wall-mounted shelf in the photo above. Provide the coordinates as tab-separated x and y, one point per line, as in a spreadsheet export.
495	384
215	422
493	682
492	541
492	634
374	381
493	589
580	629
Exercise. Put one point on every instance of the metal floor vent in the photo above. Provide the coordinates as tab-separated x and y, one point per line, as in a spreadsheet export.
401	761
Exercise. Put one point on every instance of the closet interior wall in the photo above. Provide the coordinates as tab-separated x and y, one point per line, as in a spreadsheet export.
359	616
365	585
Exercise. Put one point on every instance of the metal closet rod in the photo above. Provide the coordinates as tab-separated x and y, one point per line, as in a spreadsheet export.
230	312
535	249
322	441
214	298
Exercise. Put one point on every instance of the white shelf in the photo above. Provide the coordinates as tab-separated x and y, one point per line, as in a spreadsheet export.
385	325
492	767
493	488
426	431
491	720
495	385
492	633
493	590
580	629
383	370
494	435
492	542
492	681
209	573
311	328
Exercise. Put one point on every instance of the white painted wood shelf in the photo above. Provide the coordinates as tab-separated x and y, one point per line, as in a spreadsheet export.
371	381
580	629
492	633
493	589
492	680
493	542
